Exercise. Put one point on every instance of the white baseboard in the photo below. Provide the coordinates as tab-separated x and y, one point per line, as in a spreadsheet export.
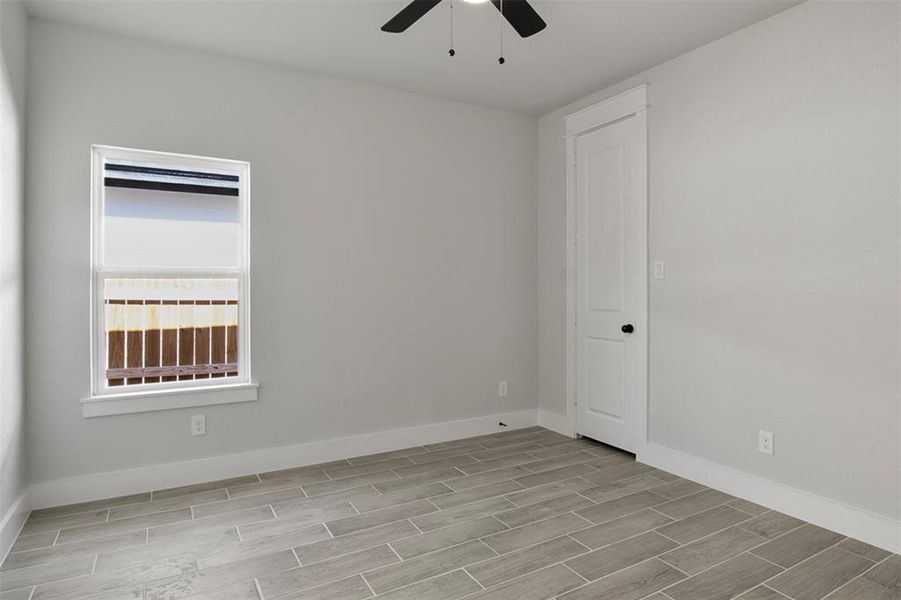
868	527
142	479
13	521
553	421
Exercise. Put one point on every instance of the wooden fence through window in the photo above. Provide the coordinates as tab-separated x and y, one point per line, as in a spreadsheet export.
151	341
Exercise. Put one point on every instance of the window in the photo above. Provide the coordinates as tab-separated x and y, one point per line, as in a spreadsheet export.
170	283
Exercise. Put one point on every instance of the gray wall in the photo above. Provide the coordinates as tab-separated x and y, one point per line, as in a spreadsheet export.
774	200
13	25
394	276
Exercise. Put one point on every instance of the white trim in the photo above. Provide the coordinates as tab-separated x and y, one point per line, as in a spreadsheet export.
572	393
142	479
148	401
100	153
554	421
863	525
606	111
13	521
631	102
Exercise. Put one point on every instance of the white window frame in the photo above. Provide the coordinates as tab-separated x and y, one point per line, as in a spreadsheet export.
173	394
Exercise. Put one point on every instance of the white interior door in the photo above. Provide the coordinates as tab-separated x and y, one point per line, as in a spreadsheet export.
611	321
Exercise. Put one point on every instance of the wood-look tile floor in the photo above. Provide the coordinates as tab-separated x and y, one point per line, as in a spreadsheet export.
522	515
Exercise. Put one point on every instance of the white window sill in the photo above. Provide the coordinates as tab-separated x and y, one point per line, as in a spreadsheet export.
137	402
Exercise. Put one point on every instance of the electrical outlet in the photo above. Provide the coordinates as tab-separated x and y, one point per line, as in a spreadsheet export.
765	442
501	389
659	270
198	425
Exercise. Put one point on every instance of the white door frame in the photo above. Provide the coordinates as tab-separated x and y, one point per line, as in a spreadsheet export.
629	103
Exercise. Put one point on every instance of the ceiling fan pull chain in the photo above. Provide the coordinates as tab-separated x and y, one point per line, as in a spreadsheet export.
501	60
452	52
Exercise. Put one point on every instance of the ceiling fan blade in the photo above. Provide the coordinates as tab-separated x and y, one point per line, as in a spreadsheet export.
521	16
409	15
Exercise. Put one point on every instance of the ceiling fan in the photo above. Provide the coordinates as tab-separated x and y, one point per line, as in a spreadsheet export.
519	13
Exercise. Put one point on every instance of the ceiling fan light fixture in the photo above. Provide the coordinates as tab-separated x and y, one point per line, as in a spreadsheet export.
519	13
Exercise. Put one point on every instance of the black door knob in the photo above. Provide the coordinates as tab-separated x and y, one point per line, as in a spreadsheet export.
627	328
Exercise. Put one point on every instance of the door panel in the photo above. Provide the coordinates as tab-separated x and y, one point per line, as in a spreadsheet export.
605	228
608	222
605	378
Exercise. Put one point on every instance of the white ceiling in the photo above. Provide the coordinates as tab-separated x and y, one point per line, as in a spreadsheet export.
587	45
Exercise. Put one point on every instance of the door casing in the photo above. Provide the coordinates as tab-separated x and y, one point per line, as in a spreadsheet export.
631	103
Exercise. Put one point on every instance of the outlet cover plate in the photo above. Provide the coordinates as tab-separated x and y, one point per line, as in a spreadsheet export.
198	425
